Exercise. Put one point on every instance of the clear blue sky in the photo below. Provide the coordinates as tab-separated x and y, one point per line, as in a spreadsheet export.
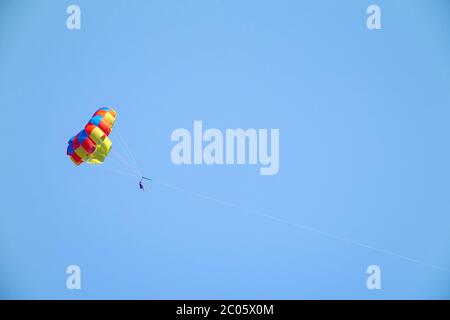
365	148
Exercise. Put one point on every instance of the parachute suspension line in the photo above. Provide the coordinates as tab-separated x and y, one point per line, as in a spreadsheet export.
120	164
121	156
118	171
118	156
306	228
125	145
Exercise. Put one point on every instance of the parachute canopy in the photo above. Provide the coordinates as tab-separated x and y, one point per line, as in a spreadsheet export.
92	144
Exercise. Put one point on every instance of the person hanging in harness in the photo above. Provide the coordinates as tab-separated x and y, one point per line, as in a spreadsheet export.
141	184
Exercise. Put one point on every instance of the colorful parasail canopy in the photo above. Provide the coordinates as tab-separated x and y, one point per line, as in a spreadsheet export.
92	144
